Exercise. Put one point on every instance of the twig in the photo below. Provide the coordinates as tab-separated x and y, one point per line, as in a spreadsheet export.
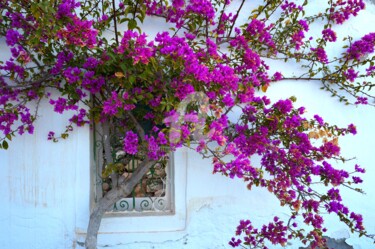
115	21
138	127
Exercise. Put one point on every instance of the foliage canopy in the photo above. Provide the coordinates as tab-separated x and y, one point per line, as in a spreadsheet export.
183	82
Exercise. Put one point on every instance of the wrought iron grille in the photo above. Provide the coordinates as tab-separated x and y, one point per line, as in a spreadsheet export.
153	193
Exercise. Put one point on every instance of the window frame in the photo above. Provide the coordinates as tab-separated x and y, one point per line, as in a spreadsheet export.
147	221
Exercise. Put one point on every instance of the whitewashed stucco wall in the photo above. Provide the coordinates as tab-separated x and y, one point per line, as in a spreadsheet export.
44	186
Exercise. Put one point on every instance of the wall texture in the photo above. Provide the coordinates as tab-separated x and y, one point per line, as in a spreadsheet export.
44	186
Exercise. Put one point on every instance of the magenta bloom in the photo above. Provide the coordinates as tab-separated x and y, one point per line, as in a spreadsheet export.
361	101
131	143
304	25
362	47
351	75
320	54
277	76
60	105
329	35
12	37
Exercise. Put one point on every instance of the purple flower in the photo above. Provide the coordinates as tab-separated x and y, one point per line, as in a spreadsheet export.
370	70
352	129
51	135
149	115
228	100
154	151
301	110
258	30
334	194
104	17
284	106
361	101
329	149
32	94
358	220
362	47
234	242
92	83
319	119
13	67
12	37
304	25
178	3
79	119
30	129
131	143
201	7
112	105
329	35
359	169
60	104
79	33
72	74
351	75
161	138
311	205
320	54
190	36
66	8
342	10
357	179
91	63
277	76
297	39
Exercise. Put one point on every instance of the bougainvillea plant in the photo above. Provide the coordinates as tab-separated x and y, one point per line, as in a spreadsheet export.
92	58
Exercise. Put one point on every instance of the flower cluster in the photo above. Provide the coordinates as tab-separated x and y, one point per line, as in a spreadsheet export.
275	232
362	47
320	54
342	10
329	35
258	30
136	46
149	93
351	74
78	33
131	143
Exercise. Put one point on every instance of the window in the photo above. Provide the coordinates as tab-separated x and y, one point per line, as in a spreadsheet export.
125	223
152	195
126	226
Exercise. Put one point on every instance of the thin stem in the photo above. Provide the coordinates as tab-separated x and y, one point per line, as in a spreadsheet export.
115	21
138	127
236	17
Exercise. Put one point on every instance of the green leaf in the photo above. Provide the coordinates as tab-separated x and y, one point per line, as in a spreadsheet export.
5	145
123	67
132	24
132	79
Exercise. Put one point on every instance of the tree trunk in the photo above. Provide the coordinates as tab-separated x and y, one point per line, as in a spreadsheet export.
109	199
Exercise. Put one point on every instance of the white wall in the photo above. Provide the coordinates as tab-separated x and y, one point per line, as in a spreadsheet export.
38	188
44	186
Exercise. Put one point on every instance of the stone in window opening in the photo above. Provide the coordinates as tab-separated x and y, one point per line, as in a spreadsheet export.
153	194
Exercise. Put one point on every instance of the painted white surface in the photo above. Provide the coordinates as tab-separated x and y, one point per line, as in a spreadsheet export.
44	186
38	188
